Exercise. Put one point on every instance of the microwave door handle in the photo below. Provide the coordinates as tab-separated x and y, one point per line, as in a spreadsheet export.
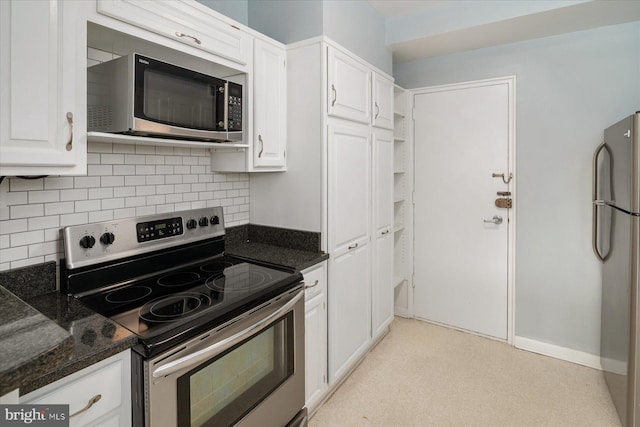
206	353
226	106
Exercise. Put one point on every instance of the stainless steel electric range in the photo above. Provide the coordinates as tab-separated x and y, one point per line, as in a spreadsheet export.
221	339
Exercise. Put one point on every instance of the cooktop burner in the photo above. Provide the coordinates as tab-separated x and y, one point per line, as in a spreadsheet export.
172	307
128	294
182	278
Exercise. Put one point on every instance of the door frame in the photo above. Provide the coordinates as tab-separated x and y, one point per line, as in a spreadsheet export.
510	81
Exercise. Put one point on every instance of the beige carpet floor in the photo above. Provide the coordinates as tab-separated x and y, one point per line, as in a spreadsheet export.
425	375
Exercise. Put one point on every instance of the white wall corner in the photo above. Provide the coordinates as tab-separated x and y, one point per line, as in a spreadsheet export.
558	352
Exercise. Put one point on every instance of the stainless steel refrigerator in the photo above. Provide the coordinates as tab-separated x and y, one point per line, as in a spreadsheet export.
616	240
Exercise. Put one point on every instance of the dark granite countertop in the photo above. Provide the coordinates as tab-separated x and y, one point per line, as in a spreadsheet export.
44	335
291	248
276	254
30	343
94	337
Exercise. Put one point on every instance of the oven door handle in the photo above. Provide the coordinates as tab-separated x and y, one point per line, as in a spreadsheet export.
206	353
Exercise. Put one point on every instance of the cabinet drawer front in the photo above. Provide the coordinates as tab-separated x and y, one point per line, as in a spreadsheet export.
315	279
183	22
106	382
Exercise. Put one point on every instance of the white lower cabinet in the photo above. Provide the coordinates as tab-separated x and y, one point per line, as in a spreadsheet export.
106	383
315	279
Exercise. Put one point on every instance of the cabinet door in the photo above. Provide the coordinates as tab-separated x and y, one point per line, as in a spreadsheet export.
187	22
383	151
269	105
349	175
349	310
382	286
348	87
43	86
382	102
315	349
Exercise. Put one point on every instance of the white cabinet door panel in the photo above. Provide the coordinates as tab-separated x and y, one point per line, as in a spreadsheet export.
382	102
349	186
269	106
42	121
349	310
382	285
189	23
348	88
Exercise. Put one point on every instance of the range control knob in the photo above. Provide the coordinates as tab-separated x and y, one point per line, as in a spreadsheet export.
215	220
192	224
107	238
203	221
87	242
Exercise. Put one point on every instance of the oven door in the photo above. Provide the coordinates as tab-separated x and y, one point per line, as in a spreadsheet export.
247	372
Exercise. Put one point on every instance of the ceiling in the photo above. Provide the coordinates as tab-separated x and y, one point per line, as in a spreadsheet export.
559	19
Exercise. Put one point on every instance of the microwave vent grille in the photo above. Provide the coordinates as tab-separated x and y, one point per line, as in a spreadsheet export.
99	117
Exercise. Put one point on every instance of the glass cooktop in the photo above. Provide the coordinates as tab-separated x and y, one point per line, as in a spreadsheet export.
185	298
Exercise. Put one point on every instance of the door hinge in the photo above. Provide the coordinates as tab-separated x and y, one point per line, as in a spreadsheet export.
413	281
413	197
413	114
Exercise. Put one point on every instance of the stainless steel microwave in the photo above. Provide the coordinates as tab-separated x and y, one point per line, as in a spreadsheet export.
142	96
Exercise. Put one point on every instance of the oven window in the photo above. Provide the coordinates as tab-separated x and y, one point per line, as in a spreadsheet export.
229	386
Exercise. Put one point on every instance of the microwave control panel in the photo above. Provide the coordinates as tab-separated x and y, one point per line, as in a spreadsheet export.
235	106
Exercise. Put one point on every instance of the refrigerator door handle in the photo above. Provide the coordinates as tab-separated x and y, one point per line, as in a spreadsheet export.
596	203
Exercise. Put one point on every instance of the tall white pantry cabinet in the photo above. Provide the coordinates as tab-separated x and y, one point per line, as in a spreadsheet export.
340	180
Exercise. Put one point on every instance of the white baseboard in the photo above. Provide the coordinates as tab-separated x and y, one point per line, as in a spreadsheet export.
562	353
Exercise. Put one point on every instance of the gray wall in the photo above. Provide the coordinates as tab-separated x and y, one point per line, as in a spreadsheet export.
357	26
568	89
285	20
234	9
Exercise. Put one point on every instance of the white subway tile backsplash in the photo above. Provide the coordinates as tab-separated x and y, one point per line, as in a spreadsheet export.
100	169
58	183
99	216
15	198
134	159
72	195
26	184
88	205
145	170
40	223
74	219
86	181
124	169
116	203
124	213
27	238
134	180
112	181
13	226
122	181
42	249
26	211
101	193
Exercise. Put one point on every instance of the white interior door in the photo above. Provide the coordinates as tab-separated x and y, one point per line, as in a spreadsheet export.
461	136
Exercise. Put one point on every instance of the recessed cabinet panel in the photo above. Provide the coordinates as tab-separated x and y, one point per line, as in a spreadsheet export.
382	102
350	310
186	22
349	87
383	181
42	124
349	185
270	105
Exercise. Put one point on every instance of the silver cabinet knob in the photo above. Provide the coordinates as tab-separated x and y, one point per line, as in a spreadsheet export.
497	219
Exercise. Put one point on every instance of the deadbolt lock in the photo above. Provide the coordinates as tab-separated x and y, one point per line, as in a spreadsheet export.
504	203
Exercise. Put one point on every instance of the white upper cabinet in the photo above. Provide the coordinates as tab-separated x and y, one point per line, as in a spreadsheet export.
348	87
269	106
382	108
186	21
43	102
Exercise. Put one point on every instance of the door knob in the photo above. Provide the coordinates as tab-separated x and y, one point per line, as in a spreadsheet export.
495	220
